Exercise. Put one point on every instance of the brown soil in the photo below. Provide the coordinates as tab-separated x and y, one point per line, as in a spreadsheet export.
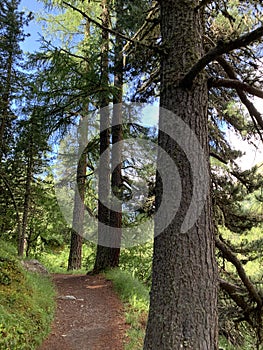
92	321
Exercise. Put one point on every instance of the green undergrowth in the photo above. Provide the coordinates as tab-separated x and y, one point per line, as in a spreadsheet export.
57	262
135	297
26	304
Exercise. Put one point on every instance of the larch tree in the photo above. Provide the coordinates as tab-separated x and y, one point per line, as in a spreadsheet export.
75	67
104	257
117	136
110	223
107	255
75	253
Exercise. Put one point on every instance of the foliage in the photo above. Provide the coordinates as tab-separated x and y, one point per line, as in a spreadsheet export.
138	262
26	304
136	299
56	260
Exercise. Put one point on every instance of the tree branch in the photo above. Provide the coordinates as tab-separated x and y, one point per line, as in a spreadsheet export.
202	3
235	293
145	28
217	156
231	257
236	84
154	77
112	31
221	48
254	113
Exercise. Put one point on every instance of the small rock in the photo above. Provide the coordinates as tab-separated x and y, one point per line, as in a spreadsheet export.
68	297
34	266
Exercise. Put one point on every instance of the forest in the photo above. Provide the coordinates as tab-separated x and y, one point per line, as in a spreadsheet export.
122	144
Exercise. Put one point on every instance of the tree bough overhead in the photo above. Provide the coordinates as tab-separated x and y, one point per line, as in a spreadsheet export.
183	303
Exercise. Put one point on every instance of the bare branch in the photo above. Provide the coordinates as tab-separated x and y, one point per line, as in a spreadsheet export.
221	48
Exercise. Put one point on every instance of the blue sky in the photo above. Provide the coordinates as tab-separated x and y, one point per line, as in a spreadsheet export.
31	43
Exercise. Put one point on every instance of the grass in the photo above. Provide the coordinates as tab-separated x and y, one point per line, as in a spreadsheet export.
26	304
135	297
57	262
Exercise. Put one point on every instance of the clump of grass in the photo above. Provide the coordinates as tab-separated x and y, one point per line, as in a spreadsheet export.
26	304
136	300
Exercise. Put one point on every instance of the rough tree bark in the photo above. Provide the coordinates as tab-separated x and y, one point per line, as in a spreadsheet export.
183	302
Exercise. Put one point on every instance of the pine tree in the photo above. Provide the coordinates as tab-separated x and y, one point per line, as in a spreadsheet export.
183	303
11	33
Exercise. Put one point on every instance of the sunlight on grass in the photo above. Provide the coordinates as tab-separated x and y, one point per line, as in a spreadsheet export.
135	297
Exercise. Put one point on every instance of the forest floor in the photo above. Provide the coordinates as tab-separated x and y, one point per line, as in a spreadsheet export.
89	315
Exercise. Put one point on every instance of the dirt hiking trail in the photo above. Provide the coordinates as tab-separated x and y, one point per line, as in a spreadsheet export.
89	315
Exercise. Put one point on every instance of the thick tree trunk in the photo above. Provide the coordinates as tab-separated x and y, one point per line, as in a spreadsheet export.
75	253
183	302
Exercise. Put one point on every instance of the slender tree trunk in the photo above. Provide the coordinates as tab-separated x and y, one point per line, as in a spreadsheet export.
183	302
22	238
75	254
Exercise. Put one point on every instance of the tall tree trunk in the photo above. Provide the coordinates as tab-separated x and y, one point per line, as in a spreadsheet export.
183	302
117	137
75	253
103	255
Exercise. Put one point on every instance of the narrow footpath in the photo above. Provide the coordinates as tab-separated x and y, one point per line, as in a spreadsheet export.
89	315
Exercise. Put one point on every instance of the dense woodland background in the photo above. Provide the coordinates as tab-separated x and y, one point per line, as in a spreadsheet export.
55	101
